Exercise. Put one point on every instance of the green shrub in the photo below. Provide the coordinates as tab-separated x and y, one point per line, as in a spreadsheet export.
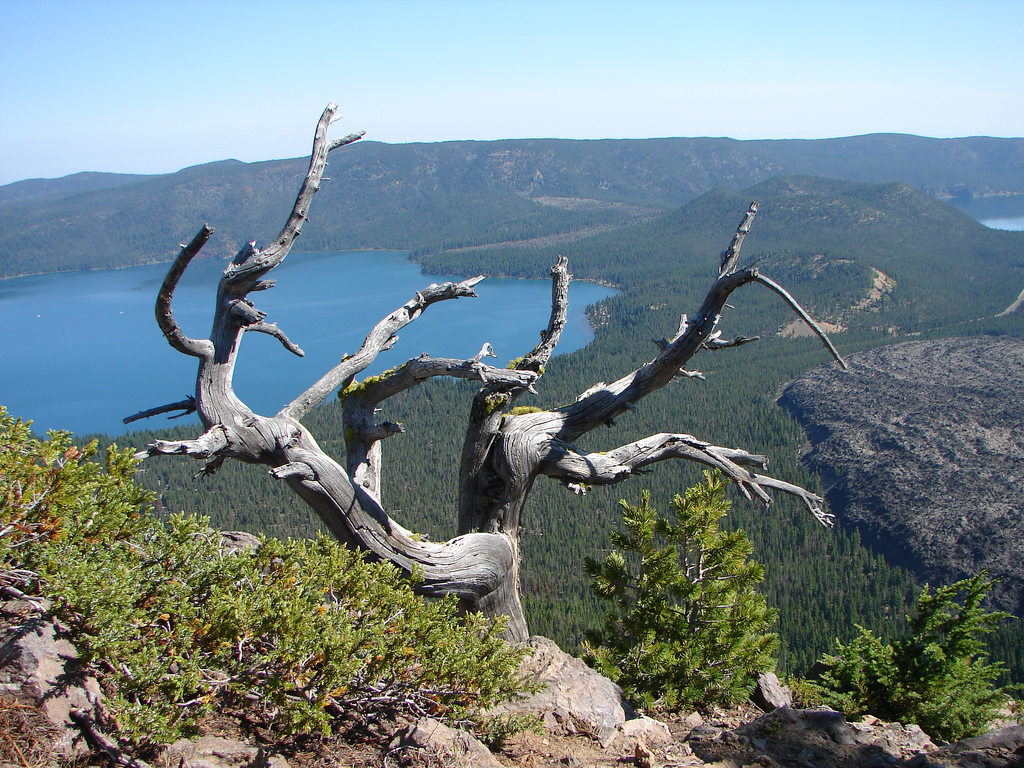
296	632
687	629
935	675
47	485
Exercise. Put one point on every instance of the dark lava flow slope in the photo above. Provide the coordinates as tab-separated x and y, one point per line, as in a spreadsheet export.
921	446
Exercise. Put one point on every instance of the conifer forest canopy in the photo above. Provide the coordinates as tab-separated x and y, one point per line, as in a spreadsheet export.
506	448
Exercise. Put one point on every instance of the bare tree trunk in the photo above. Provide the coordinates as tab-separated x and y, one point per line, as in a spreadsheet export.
504	451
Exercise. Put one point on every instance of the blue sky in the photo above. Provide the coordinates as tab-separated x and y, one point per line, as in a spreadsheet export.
152	86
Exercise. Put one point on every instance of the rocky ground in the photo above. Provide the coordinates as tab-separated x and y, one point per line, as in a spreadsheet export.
51	714
921	446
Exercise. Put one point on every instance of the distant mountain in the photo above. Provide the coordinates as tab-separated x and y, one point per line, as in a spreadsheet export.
958	169
430	197
919	445
37	190
879	259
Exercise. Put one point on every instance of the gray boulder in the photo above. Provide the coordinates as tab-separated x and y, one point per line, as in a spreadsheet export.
39	669
450	745
641	730
217	752
574	698
769	694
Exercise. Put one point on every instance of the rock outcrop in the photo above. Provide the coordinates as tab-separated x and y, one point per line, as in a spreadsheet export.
42	682
770	694
218	752
573	697
429	738
921	446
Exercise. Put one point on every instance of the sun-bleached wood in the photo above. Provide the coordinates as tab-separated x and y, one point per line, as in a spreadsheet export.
504	451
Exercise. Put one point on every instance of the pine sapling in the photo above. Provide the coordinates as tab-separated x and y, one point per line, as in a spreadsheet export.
687	628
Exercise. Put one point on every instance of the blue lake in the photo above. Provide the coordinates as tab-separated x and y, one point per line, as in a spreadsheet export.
81	350
1012	222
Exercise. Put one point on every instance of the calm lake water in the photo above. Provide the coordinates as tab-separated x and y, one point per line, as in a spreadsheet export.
105	358
1014	222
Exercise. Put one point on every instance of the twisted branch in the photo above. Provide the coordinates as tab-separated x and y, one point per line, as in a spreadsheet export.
577	470
803	315
203	447
251	263
165	316
382	337
271	329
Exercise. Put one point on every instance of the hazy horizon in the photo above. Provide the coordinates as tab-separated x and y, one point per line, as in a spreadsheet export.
524	138
119	87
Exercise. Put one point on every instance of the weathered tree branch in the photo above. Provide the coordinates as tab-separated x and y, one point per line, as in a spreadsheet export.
605	403
803	316
731	255
203	447
186	406
164	316
813	502
271	329
382	337
87	725
576	470
418	369
714	342
560	279
251	264
362	433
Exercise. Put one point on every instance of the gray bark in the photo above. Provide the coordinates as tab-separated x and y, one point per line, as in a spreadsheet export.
503	454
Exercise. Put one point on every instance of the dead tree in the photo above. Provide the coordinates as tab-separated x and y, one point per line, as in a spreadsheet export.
504	451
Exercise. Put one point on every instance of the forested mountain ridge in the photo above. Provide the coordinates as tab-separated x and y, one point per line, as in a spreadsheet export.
429	197
826	240
36	190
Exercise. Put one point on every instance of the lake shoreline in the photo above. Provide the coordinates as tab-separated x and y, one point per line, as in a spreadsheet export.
199	259
106	357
